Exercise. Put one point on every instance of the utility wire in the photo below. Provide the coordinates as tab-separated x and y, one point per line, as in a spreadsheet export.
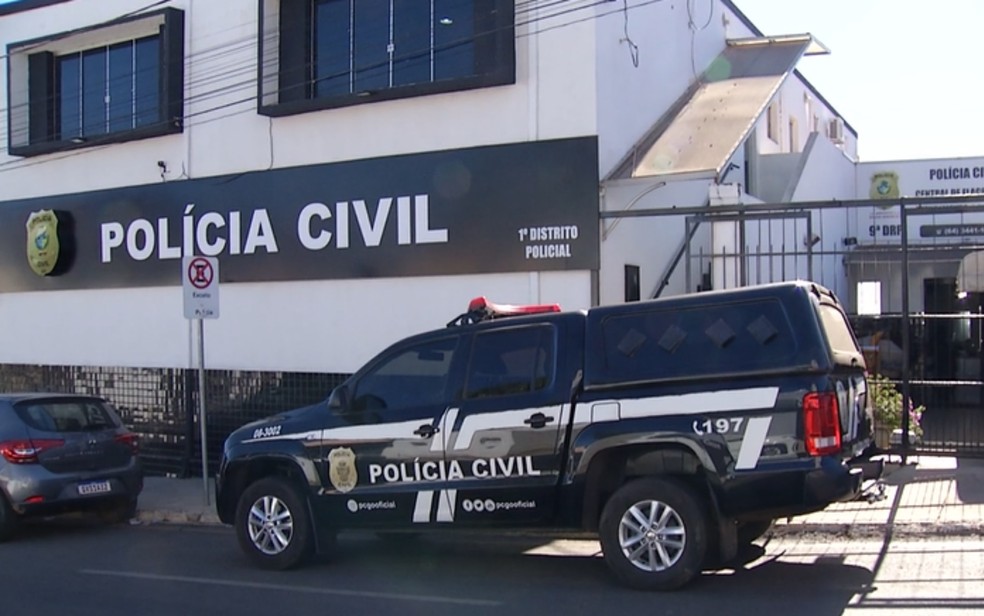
196	118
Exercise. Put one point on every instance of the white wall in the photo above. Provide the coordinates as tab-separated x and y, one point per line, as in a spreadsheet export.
553	98
671	54
649	242
811	113
331	326
319	326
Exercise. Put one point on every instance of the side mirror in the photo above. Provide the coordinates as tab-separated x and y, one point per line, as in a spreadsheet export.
339	399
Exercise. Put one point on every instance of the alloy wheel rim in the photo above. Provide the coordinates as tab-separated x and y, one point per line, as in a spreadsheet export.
652	536
270	525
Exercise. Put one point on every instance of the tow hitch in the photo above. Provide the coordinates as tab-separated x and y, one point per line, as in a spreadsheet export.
872	473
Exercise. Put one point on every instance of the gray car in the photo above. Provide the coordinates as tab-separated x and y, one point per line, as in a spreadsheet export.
63	453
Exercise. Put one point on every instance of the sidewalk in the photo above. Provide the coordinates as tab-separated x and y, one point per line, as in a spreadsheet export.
928	496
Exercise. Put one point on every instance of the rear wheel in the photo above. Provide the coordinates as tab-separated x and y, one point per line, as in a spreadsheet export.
653	533
120	511
8	519
273	525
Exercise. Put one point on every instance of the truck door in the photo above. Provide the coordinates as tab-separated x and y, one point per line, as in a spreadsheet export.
503	451
377	456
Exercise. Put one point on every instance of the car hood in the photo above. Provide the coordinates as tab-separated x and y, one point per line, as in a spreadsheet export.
296	421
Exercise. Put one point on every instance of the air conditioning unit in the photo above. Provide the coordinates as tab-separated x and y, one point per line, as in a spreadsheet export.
835	130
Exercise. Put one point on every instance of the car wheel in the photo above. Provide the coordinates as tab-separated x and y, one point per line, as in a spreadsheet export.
8	519
653	533
273	525
120	511
750	531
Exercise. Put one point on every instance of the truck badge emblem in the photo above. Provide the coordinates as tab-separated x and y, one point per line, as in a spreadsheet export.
42	242
342	470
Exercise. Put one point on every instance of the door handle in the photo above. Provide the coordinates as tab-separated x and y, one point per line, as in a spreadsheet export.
537	420
426	431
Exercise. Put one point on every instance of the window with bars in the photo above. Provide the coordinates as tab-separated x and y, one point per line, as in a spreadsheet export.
118	82
333	53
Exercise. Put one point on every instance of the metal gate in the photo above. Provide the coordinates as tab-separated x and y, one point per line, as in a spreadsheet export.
927	344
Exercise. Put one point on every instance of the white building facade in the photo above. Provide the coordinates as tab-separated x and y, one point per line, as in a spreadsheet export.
363	169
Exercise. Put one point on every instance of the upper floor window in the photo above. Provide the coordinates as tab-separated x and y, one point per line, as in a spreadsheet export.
329	53
118	82
772	122
108	89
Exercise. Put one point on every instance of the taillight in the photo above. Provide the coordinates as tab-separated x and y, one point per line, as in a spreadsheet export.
26	452
821	424
131	440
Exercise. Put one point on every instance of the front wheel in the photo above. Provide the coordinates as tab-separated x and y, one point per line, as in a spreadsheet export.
273	525
653	533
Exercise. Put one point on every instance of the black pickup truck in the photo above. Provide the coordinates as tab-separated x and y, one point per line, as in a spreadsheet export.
676	429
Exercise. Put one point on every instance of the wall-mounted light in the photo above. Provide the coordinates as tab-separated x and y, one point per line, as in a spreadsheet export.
78	140
445	21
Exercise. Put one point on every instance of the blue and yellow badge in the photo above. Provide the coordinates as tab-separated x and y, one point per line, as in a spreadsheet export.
42	242
884	185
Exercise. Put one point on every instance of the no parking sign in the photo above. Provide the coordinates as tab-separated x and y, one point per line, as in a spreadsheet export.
200	280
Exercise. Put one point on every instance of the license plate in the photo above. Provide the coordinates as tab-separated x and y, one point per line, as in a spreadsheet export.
94	487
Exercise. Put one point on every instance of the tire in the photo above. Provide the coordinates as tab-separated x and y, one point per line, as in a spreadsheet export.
8	520
748	532
273	525
120	512
654	533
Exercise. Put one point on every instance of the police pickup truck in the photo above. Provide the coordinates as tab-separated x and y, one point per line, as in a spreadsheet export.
676	429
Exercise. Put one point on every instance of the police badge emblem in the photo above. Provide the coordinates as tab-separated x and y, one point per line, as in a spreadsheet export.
884	185
42	242
341	469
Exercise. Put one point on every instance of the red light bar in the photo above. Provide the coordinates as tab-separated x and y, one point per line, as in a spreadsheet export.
494	311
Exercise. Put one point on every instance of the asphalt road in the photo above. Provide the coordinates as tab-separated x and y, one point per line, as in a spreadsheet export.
78	567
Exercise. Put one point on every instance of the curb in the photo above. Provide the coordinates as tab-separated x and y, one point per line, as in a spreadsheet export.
176	517
911	530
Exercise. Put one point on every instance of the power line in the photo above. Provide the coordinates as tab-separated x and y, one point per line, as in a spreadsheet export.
215	74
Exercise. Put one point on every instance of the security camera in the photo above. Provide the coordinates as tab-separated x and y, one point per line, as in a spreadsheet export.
811	240
162	165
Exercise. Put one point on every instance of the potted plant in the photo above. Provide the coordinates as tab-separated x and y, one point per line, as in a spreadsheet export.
886	401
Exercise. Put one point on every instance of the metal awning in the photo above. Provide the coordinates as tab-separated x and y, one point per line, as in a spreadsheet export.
728	100
970	274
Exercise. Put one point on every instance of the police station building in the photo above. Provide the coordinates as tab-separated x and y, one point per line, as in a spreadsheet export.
362	169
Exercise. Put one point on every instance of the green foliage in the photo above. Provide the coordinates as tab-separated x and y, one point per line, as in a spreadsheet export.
886	400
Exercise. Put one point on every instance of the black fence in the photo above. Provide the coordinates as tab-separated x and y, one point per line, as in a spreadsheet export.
945	375
160	404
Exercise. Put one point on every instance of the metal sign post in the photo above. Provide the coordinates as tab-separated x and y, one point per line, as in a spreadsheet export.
200	285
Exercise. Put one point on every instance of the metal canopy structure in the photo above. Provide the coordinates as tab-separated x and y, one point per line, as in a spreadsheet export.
702	135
